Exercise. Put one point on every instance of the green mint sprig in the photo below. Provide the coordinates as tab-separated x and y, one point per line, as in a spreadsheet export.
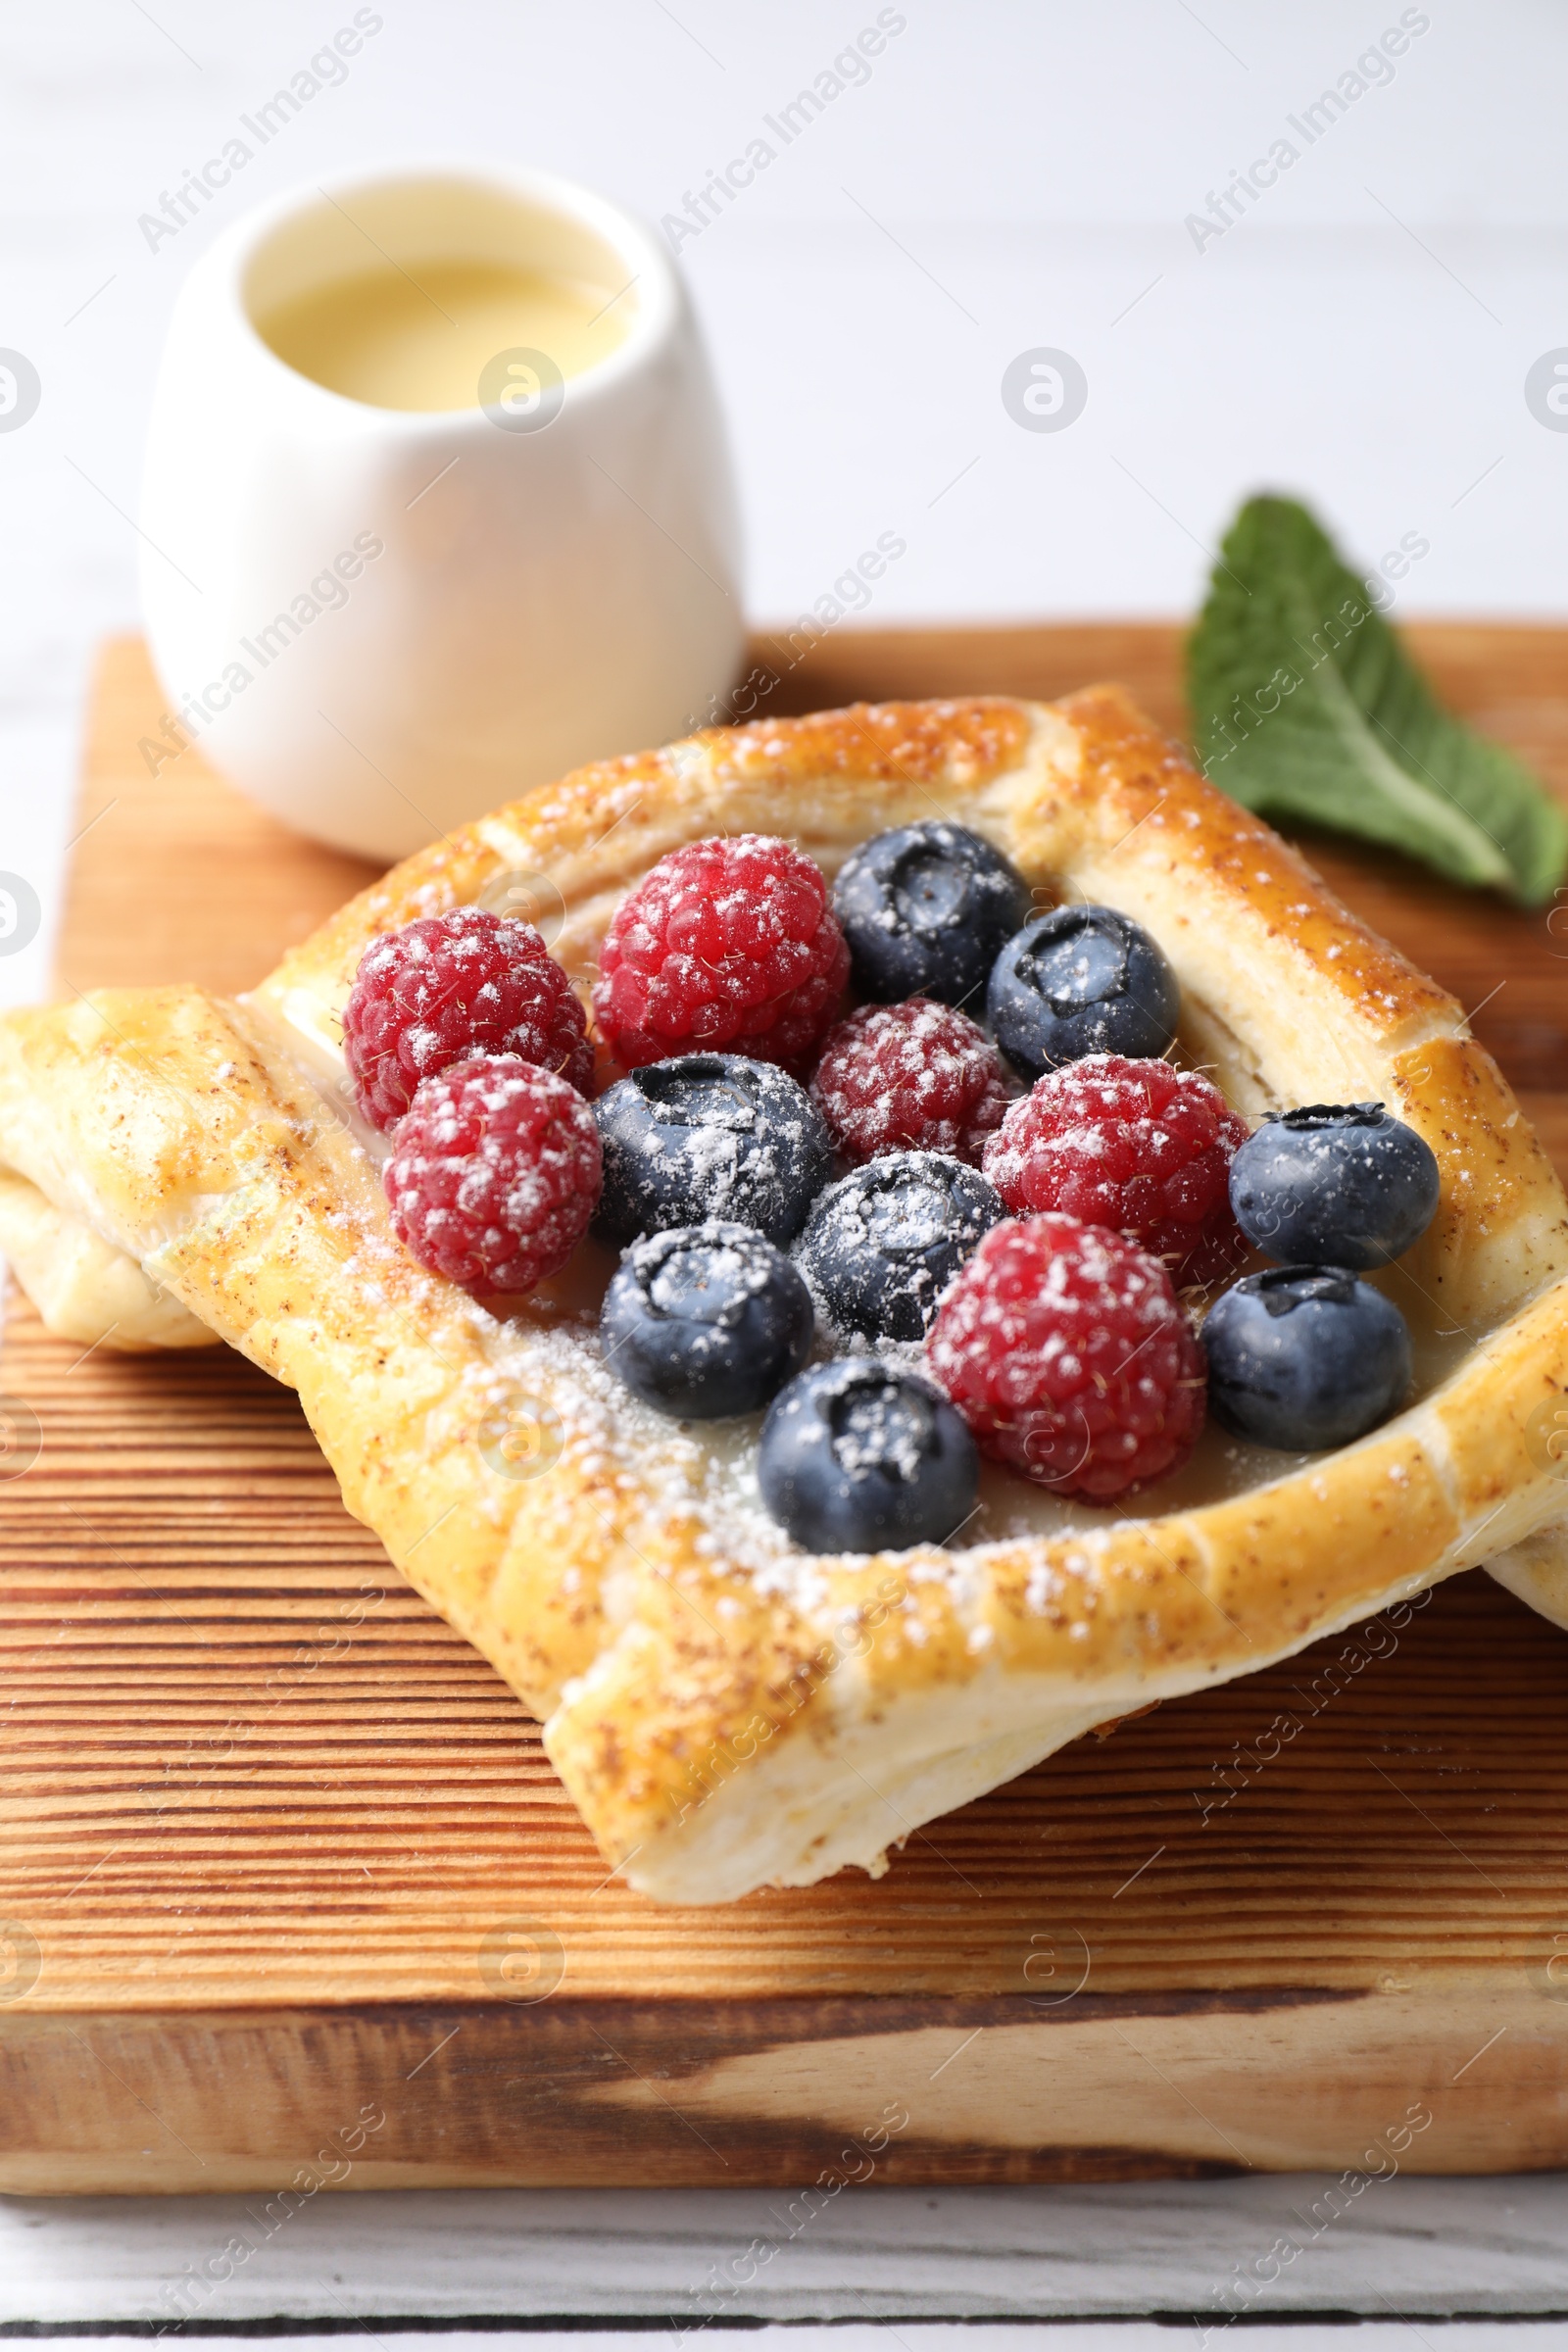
1306	705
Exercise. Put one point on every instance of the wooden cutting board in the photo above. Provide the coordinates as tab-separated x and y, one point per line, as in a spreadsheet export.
292	1898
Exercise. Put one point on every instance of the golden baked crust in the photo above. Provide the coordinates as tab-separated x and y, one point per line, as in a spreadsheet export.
727	1711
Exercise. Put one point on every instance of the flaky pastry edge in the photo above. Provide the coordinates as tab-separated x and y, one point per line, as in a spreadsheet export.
726	1723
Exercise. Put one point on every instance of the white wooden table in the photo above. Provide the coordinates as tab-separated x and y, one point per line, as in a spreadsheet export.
1415	2250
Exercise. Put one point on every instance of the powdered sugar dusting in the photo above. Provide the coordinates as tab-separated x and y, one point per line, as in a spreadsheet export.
918	1075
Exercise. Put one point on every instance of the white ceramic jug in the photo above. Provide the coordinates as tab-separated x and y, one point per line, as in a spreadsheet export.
380	623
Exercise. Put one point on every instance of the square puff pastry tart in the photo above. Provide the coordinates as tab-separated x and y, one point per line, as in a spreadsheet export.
727	1711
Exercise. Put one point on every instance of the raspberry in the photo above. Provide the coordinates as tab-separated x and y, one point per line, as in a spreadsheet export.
1065	1351
1133	1144
724	944
452	985
494	1173
913	1076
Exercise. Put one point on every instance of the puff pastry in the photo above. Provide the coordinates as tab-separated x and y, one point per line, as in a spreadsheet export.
725	1711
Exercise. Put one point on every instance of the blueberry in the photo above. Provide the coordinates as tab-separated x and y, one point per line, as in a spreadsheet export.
708	1135
1305	1357
1336	1182
707	1320
855	1457
925	909
1081	980
882	1245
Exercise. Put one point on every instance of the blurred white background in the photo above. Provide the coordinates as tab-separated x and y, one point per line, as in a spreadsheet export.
1010	176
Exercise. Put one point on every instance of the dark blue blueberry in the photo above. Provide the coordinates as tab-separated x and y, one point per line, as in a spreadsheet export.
1305	1357
707	1320
882	1245
855	1457
1340	1184
1081	980
708	1135
925	909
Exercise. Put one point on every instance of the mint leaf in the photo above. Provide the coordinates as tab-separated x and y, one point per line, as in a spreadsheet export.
1306	705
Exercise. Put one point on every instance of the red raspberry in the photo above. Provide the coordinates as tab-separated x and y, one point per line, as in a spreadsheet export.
452	985
1064	1348
1133	1144
728	944
916	1076
494	1174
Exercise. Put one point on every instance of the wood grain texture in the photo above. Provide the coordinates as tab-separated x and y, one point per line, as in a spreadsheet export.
1408	2246
279	1851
